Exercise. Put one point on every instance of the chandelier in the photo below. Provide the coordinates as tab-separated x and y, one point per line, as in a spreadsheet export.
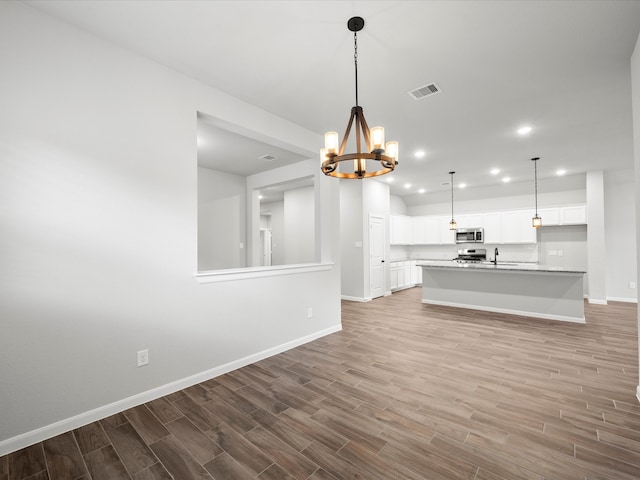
452	224
332	154
536	222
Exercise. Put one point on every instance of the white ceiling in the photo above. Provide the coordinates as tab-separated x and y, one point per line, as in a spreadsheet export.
561	67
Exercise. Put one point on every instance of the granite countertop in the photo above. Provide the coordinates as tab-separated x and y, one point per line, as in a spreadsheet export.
510	266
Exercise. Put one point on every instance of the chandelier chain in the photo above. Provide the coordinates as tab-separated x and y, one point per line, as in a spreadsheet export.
355	61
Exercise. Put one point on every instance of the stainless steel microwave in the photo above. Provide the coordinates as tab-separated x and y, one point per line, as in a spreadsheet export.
470	235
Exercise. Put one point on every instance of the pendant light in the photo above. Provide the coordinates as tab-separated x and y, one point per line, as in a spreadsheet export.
452	224
536	222
331	155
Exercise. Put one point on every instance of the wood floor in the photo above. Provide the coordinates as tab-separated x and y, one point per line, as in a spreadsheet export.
405	391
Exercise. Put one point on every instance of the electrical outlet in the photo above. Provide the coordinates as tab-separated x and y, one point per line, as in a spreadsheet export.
553	252
143	357
560	253
632	284
309	312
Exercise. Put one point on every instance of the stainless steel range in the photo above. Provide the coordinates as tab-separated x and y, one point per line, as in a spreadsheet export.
471	255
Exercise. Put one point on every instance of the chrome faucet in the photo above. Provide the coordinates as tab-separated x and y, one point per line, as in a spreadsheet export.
495	256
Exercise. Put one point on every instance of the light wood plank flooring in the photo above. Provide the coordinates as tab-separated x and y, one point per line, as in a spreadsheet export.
405	391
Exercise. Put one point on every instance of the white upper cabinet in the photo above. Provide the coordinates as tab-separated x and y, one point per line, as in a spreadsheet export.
432	230
492	224
565	215
516	227
499	227
550	216
469	220
573	215
421	230
401	230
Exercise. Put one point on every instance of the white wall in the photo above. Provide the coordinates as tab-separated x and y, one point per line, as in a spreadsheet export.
277	231
221	220
299	225
552	192
358	199
351	239
98	198
620	235
635	92
397	205
596	246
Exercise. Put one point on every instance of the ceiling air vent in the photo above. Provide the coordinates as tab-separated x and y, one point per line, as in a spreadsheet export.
424	91
267	158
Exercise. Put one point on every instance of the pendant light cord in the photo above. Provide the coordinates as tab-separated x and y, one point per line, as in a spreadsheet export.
535	168
451	195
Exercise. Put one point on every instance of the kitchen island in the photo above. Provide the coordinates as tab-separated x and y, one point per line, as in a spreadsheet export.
520	289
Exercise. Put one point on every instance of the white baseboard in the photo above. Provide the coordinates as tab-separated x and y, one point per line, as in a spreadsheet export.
38	435
596	301
355	299
621	299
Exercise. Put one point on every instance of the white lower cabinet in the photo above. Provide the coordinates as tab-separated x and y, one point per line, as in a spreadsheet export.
393	276
404	274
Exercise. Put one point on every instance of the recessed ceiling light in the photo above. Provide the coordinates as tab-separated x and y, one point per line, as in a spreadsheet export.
561	172
419	153
422	190
524	130
407	185
389	179
506	179
495	171
260	197
462	185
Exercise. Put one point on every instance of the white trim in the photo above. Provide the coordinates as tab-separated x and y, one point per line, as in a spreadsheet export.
355	299
638	393
40	434
406	287
596	301
545	316
620	299
214	276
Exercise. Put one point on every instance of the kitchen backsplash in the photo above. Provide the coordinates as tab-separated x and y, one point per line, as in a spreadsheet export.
507	253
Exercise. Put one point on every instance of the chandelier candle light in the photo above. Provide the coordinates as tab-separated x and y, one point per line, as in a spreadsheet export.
536	222
331	155
452	224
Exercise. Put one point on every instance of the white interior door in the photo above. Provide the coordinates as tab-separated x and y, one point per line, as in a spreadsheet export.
376	255
265	241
